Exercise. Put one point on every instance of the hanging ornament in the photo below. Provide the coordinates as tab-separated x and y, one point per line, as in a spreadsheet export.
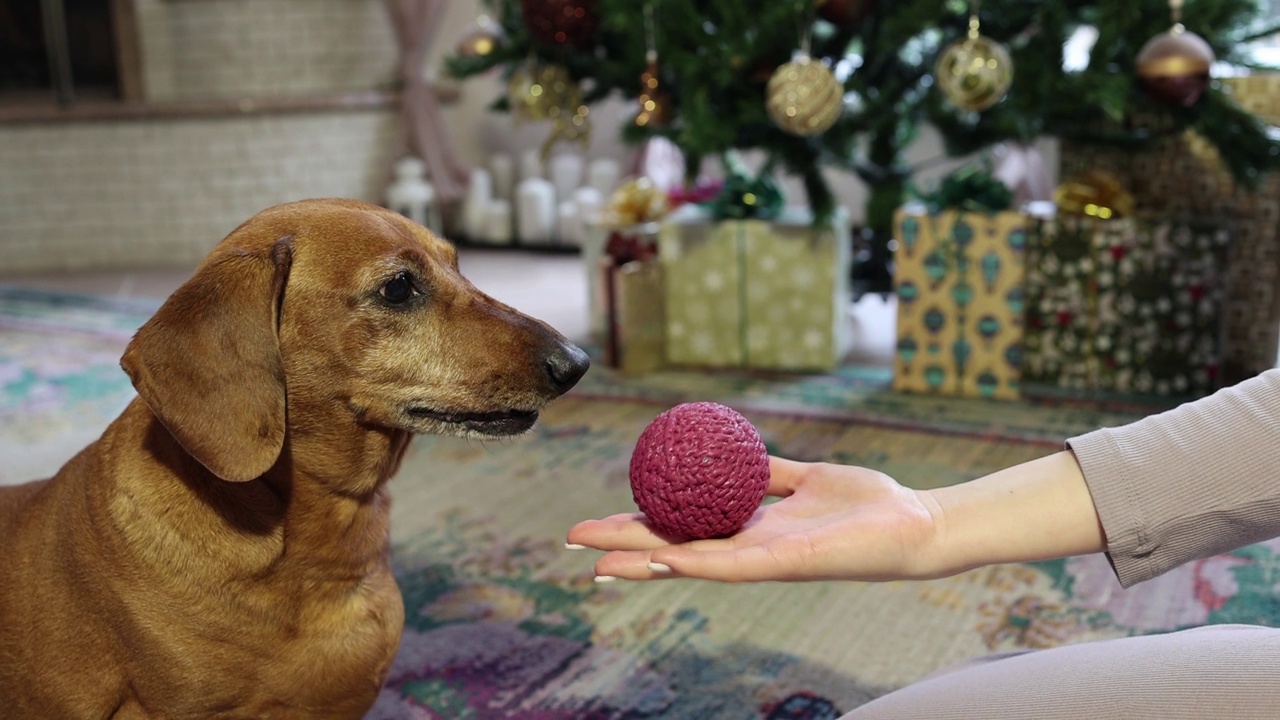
803	96
655	103
540	91
561	22
976	72
480	38
845	14
1174	65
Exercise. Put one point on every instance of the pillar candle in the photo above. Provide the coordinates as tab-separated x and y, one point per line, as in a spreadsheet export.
503	170
479	193
535	211
602	174
498	222
565	173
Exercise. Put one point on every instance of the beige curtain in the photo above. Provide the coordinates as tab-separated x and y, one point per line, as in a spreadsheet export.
422	129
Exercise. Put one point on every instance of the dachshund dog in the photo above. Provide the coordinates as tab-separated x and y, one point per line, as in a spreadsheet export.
222	551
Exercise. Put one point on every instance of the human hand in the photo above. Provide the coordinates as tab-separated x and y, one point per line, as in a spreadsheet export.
832	522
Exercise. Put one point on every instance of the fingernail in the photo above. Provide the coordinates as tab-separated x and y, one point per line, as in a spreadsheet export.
574	546
659	567
601	579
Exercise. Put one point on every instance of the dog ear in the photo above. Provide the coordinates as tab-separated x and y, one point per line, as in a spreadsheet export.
208	362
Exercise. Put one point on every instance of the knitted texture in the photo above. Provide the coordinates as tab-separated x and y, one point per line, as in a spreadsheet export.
699	470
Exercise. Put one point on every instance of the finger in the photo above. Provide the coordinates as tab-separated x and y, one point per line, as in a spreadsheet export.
626	565
749	564
785	476
617	532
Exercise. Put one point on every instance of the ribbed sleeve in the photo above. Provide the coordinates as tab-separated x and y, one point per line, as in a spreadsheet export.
1198	480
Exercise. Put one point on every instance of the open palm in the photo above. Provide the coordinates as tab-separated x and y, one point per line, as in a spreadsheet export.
832	522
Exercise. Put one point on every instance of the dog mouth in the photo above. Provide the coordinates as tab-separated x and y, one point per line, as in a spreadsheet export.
498	424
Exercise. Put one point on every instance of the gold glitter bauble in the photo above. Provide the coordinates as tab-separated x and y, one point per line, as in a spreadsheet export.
803	97
542	92
1175	66
548	92
975	73
481	38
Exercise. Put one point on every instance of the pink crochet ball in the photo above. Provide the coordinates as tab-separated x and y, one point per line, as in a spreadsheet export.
699	471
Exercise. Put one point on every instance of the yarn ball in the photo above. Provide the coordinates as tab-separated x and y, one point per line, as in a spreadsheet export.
699	470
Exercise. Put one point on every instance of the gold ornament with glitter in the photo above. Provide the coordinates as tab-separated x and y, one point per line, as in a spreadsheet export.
481	38
974	73
803	96
547	92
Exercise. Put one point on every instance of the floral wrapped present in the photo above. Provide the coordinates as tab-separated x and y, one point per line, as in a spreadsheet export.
1125	306
959	278
755	293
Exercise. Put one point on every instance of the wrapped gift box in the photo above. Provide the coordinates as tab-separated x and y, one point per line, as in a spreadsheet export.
630	287
754	293
1125	306
959	277
1179	176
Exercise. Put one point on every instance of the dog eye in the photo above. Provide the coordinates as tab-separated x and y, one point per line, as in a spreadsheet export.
398	290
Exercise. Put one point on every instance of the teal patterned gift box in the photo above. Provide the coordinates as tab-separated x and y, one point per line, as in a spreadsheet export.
960	284
1130	305
754	293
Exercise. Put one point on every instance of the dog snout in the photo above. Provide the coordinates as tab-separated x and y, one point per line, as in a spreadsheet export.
565	365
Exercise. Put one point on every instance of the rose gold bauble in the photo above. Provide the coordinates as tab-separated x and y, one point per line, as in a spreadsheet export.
1174	66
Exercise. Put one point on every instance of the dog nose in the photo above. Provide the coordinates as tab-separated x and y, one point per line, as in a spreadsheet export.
566	366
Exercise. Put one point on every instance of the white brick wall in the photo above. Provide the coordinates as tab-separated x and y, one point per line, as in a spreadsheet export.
157	193
254	48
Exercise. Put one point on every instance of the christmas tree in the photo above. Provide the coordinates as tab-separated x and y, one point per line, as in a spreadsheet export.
712	73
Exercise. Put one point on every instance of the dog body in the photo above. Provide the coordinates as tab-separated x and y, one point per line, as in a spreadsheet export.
222	551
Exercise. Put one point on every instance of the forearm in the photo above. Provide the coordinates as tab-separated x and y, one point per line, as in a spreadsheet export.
1034	511
1196	481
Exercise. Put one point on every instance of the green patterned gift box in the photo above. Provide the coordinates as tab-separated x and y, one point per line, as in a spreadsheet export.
755	293
1130	306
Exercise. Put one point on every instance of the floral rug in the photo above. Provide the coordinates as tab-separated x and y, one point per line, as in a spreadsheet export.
504	624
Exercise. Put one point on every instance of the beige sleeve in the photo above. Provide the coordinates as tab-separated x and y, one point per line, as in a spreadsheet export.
1198	480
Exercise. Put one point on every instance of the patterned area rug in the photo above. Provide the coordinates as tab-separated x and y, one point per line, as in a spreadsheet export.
503	624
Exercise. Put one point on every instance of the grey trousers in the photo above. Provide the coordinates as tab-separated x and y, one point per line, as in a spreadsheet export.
1230	672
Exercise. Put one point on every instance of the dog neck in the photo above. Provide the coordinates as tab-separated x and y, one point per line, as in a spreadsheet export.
323	507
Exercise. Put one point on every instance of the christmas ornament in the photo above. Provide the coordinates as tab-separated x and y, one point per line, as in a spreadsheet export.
655	103
1174	65
976	72
803	96
845	14
561	22
547	92
480	38
699	470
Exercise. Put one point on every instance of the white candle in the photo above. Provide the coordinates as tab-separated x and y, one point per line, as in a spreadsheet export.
535	211
590	202
479	193
498	222
602	174
504	179
530	165
568	224
566	174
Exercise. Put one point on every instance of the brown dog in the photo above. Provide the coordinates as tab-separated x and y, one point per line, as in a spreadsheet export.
222	551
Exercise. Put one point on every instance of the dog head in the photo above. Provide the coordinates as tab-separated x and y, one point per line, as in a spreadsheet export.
315	316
